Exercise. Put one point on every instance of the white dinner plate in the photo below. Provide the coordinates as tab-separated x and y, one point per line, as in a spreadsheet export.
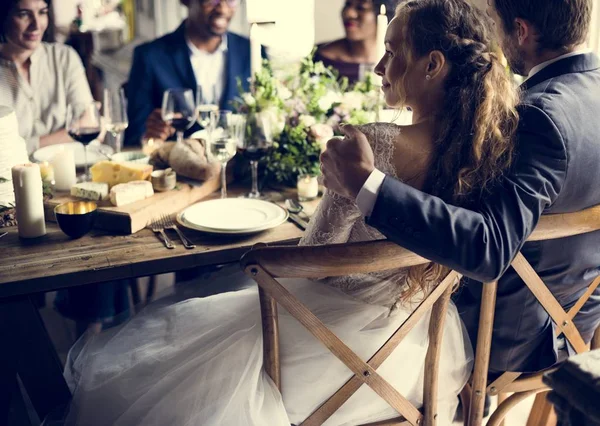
93	155
233	216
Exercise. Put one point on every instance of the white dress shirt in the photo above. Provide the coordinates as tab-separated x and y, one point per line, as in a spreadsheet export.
367	195
209	70
56	79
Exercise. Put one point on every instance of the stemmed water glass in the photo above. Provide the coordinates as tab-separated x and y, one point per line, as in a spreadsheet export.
224	133
256	144
178	110
84	125
206	102
115	114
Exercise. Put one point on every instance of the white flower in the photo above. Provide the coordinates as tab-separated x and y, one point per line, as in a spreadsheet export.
307	120
283	92
352	101
249	99
327	101
273	120
322	133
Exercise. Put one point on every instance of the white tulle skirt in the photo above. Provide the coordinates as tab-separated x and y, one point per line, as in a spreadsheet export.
199	362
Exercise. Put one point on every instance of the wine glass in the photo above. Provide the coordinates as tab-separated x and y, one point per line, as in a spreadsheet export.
83	124
178	110
206	102
256	145
115	114
222	142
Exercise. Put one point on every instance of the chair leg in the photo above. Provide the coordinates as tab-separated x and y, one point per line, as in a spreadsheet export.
465	399
501	398
502	410
482	355
596	339
542	412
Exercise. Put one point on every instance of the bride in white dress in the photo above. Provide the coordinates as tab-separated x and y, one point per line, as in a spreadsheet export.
199	361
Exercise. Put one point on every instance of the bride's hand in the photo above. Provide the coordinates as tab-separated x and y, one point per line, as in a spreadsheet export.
347	163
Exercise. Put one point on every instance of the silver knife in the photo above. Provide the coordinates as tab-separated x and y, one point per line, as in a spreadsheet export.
3	234
301	223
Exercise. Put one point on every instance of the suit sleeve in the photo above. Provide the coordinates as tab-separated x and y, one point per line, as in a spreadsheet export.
139	92
480	242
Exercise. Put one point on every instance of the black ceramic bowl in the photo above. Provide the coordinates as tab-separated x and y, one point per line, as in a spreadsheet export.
76	218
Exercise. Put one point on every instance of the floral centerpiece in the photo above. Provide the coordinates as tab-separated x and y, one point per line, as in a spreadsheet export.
304	108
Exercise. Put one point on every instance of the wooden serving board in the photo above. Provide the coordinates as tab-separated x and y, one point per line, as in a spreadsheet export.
133	217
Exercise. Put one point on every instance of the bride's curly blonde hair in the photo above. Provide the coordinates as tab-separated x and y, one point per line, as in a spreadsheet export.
475	130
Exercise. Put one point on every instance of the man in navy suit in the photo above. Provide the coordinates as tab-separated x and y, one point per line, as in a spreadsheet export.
201	52
555	171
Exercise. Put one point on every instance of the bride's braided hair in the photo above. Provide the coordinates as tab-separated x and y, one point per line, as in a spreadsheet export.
477	122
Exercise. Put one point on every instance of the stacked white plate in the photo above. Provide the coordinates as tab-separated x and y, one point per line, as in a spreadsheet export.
94	152
13	151
233	216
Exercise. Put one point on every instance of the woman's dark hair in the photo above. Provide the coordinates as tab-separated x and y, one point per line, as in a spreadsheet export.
474	136
7	7
560	24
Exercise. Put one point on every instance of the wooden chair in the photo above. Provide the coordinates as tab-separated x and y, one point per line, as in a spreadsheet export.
265	264
549	227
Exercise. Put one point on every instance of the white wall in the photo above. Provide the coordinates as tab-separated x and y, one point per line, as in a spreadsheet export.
328	20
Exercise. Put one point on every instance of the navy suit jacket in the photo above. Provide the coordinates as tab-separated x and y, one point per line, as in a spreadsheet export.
164	64
555	171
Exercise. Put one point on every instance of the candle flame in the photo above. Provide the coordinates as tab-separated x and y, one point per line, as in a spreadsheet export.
382	10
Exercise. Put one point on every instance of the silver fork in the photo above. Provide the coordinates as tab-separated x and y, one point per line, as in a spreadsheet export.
167	222
157	228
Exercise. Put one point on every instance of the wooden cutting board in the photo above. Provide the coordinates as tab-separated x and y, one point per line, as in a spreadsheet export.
133	217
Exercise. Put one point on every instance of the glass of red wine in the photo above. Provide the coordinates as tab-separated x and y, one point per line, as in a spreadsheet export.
256	145
179	110
84	125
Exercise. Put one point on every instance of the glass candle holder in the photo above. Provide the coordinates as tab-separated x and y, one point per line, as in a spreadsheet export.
308	187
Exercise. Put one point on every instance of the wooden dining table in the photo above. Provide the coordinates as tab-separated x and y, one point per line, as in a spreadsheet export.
54	261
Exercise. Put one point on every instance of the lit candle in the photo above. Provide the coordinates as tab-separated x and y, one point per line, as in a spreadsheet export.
29	200
382	23
255	54
308	187
47	171
150	145
63	164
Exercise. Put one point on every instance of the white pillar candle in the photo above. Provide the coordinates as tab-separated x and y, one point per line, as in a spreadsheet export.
308	187
29	200
382	23
255	54
63	164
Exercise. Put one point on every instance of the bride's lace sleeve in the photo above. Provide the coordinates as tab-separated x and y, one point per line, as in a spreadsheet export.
335	216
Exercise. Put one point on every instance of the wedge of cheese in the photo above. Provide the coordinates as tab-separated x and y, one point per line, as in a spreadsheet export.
114	173
95	191
127	193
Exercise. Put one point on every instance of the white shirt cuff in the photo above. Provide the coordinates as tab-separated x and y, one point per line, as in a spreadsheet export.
368	193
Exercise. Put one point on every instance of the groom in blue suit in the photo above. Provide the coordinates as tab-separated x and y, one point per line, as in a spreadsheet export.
201	52
555	171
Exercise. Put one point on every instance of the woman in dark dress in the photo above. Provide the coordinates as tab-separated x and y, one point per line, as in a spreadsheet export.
356	53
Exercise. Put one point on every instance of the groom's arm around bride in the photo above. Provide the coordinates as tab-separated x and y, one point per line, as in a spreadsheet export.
554	171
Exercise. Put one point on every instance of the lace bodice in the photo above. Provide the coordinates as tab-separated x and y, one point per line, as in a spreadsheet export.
338	220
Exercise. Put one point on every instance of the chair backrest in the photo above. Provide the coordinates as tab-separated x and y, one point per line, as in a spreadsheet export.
549	227
265	264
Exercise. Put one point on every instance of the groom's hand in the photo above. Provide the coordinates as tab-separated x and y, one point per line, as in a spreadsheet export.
347	163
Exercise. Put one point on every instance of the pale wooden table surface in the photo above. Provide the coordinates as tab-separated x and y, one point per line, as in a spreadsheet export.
56	261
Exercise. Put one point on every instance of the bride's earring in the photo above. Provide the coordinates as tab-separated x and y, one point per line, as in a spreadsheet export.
427	77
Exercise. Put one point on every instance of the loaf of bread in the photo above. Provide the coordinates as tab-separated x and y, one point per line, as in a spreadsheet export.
189	159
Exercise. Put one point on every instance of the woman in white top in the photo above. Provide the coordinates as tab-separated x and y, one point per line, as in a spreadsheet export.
38	78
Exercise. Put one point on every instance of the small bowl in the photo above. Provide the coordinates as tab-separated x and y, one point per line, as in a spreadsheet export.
76	218
163	180
131	156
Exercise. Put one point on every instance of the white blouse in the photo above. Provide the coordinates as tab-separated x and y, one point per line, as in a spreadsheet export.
57	79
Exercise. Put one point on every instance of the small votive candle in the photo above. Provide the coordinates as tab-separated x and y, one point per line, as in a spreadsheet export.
150	145
29	200
47	172
308	187
65	175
